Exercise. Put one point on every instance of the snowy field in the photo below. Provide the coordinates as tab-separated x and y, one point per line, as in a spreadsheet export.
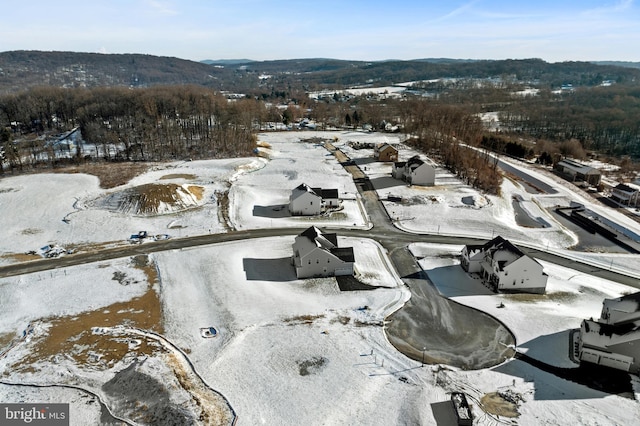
287	351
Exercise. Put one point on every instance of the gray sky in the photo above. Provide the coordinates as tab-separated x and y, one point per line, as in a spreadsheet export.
555	31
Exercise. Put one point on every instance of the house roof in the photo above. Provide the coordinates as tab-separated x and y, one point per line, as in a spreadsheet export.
326	193
320	239
499	243
577	167
344	253
630	188
384	146
415	161
304	188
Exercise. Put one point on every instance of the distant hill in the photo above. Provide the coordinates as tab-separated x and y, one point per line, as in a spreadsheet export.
226	62
335	73
619	63
20	70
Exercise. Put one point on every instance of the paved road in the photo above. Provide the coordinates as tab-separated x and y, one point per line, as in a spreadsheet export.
536	183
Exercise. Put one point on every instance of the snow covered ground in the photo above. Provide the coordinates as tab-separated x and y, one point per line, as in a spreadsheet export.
289	351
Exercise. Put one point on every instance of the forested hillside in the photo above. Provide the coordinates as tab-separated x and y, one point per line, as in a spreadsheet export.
20	70
141	107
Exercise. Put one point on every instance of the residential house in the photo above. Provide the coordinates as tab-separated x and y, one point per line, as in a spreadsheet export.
414	171
316	254
577	172
504	267
385	152
304	201
626	194
307	201
614	339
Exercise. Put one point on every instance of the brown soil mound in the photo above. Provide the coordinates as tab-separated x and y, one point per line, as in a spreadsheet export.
496	403
152	198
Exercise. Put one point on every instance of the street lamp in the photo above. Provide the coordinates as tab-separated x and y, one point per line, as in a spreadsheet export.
423	349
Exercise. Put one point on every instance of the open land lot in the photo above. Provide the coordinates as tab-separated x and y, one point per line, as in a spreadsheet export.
287	351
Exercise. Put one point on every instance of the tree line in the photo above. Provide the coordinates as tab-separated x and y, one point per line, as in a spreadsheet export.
158	123
452	135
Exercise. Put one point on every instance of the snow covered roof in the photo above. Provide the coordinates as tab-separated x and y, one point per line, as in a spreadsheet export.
577	167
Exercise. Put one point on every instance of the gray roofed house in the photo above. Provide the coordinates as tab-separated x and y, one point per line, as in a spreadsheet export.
307	201
504	267
316	254
414	171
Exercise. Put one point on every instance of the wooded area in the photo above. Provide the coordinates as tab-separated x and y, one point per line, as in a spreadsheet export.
159	123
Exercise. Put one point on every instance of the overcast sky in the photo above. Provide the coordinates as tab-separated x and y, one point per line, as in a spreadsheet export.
554	30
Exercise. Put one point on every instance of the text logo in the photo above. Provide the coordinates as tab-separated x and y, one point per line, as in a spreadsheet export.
34	414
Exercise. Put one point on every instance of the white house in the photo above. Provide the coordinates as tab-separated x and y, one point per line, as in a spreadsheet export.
627	194
316	254
307	201
304	201
614	339
414	171
504	267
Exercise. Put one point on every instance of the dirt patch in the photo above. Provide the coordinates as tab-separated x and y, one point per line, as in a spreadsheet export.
110	174
214	410
31	231
302	319
311	366
197	191
5	340
344	320
501	404
152	198
72	335
222	198
178	176
21	257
